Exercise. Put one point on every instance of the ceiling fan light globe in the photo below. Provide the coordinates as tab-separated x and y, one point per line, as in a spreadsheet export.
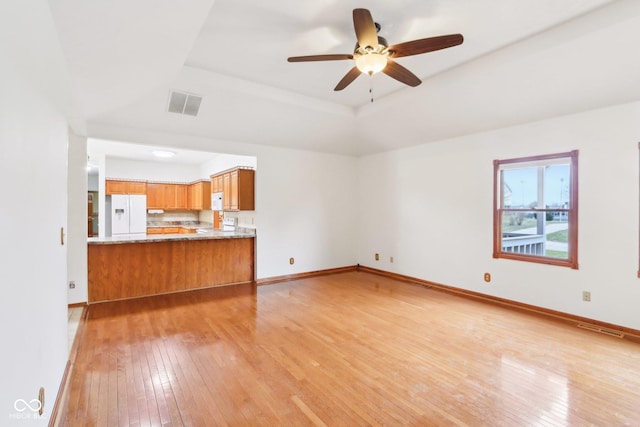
371	63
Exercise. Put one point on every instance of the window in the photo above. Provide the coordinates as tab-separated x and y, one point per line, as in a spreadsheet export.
535	215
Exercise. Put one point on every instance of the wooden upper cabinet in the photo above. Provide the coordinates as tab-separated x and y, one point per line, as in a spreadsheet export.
180	196
155	196
217	185
191	197
115	186
238	188
199	196
206	194
196	196
226	189
166	196
246	189
233	190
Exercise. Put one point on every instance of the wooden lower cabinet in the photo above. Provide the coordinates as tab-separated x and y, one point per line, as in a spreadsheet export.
128	270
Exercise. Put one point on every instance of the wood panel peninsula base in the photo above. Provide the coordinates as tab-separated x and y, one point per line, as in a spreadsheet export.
119	270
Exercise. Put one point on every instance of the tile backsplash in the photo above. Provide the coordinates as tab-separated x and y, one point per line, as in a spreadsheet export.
169	216
246	219
205	216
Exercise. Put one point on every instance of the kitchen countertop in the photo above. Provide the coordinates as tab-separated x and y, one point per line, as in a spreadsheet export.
239	233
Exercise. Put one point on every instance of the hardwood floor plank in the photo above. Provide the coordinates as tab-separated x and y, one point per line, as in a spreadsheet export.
348	349
308	412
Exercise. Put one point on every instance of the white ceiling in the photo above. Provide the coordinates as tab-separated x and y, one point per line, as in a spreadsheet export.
521	61
97	148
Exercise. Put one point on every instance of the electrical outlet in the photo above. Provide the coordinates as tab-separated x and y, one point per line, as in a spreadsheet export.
377	256
391	260
72	285
586	296
291	260
487	277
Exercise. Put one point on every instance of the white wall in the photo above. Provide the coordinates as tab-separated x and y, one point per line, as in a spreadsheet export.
226	161
306	208
430	207
33	157
77	187
151	171
93	182
305	201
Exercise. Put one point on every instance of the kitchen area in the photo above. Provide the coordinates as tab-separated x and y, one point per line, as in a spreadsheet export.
163	227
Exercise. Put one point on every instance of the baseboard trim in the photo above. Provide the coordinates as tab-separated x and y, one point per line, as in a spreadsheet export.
62	395
306	275
53	420
579	321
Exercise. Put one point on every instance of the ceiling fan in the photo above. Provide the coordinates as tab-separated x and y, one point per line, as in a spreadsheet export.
373	54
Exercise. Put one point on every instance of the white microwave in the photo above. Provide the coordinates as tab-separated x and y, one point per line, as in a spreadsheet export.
216	202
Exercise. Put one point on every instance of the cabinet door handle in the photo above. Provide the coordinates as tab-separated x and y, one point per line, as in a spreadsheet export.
62	236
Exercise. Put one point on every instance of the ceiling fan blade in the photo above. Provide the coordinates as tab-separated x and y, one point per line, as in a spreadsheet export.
401	74
309	58
348	78
366	31
416	47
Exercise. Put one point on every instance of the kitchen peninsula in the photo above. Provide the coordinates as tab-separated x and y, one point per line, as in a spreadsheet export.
131	266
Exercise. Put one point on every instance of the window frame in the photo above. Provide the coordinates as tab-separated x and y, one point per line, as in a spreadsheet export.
572	211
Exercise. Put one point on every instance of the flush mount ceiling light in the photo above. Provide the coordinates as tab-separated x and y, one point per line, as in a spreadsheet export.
163	154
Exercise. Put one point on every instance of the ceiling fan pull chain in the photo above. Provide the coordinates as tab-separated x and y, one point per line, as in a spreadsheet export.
371	86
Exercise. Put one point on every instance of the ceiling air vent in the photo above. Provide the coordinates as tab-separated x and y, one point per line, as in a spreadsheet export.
184	103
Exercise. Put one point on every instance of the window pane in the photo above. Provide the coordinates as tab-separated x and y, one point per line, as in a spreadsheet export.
520	187
536	233
556	186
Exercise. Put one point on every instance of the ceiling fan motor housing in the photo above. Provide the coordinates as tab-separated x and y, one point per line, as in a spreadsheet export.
383	45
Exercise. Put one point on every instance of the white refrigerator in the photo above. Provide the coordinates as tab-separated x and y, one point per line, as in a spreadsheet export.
126	214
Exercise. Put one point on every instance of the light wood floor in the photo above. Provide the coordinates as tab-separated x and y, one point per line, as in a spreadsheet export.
344	350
